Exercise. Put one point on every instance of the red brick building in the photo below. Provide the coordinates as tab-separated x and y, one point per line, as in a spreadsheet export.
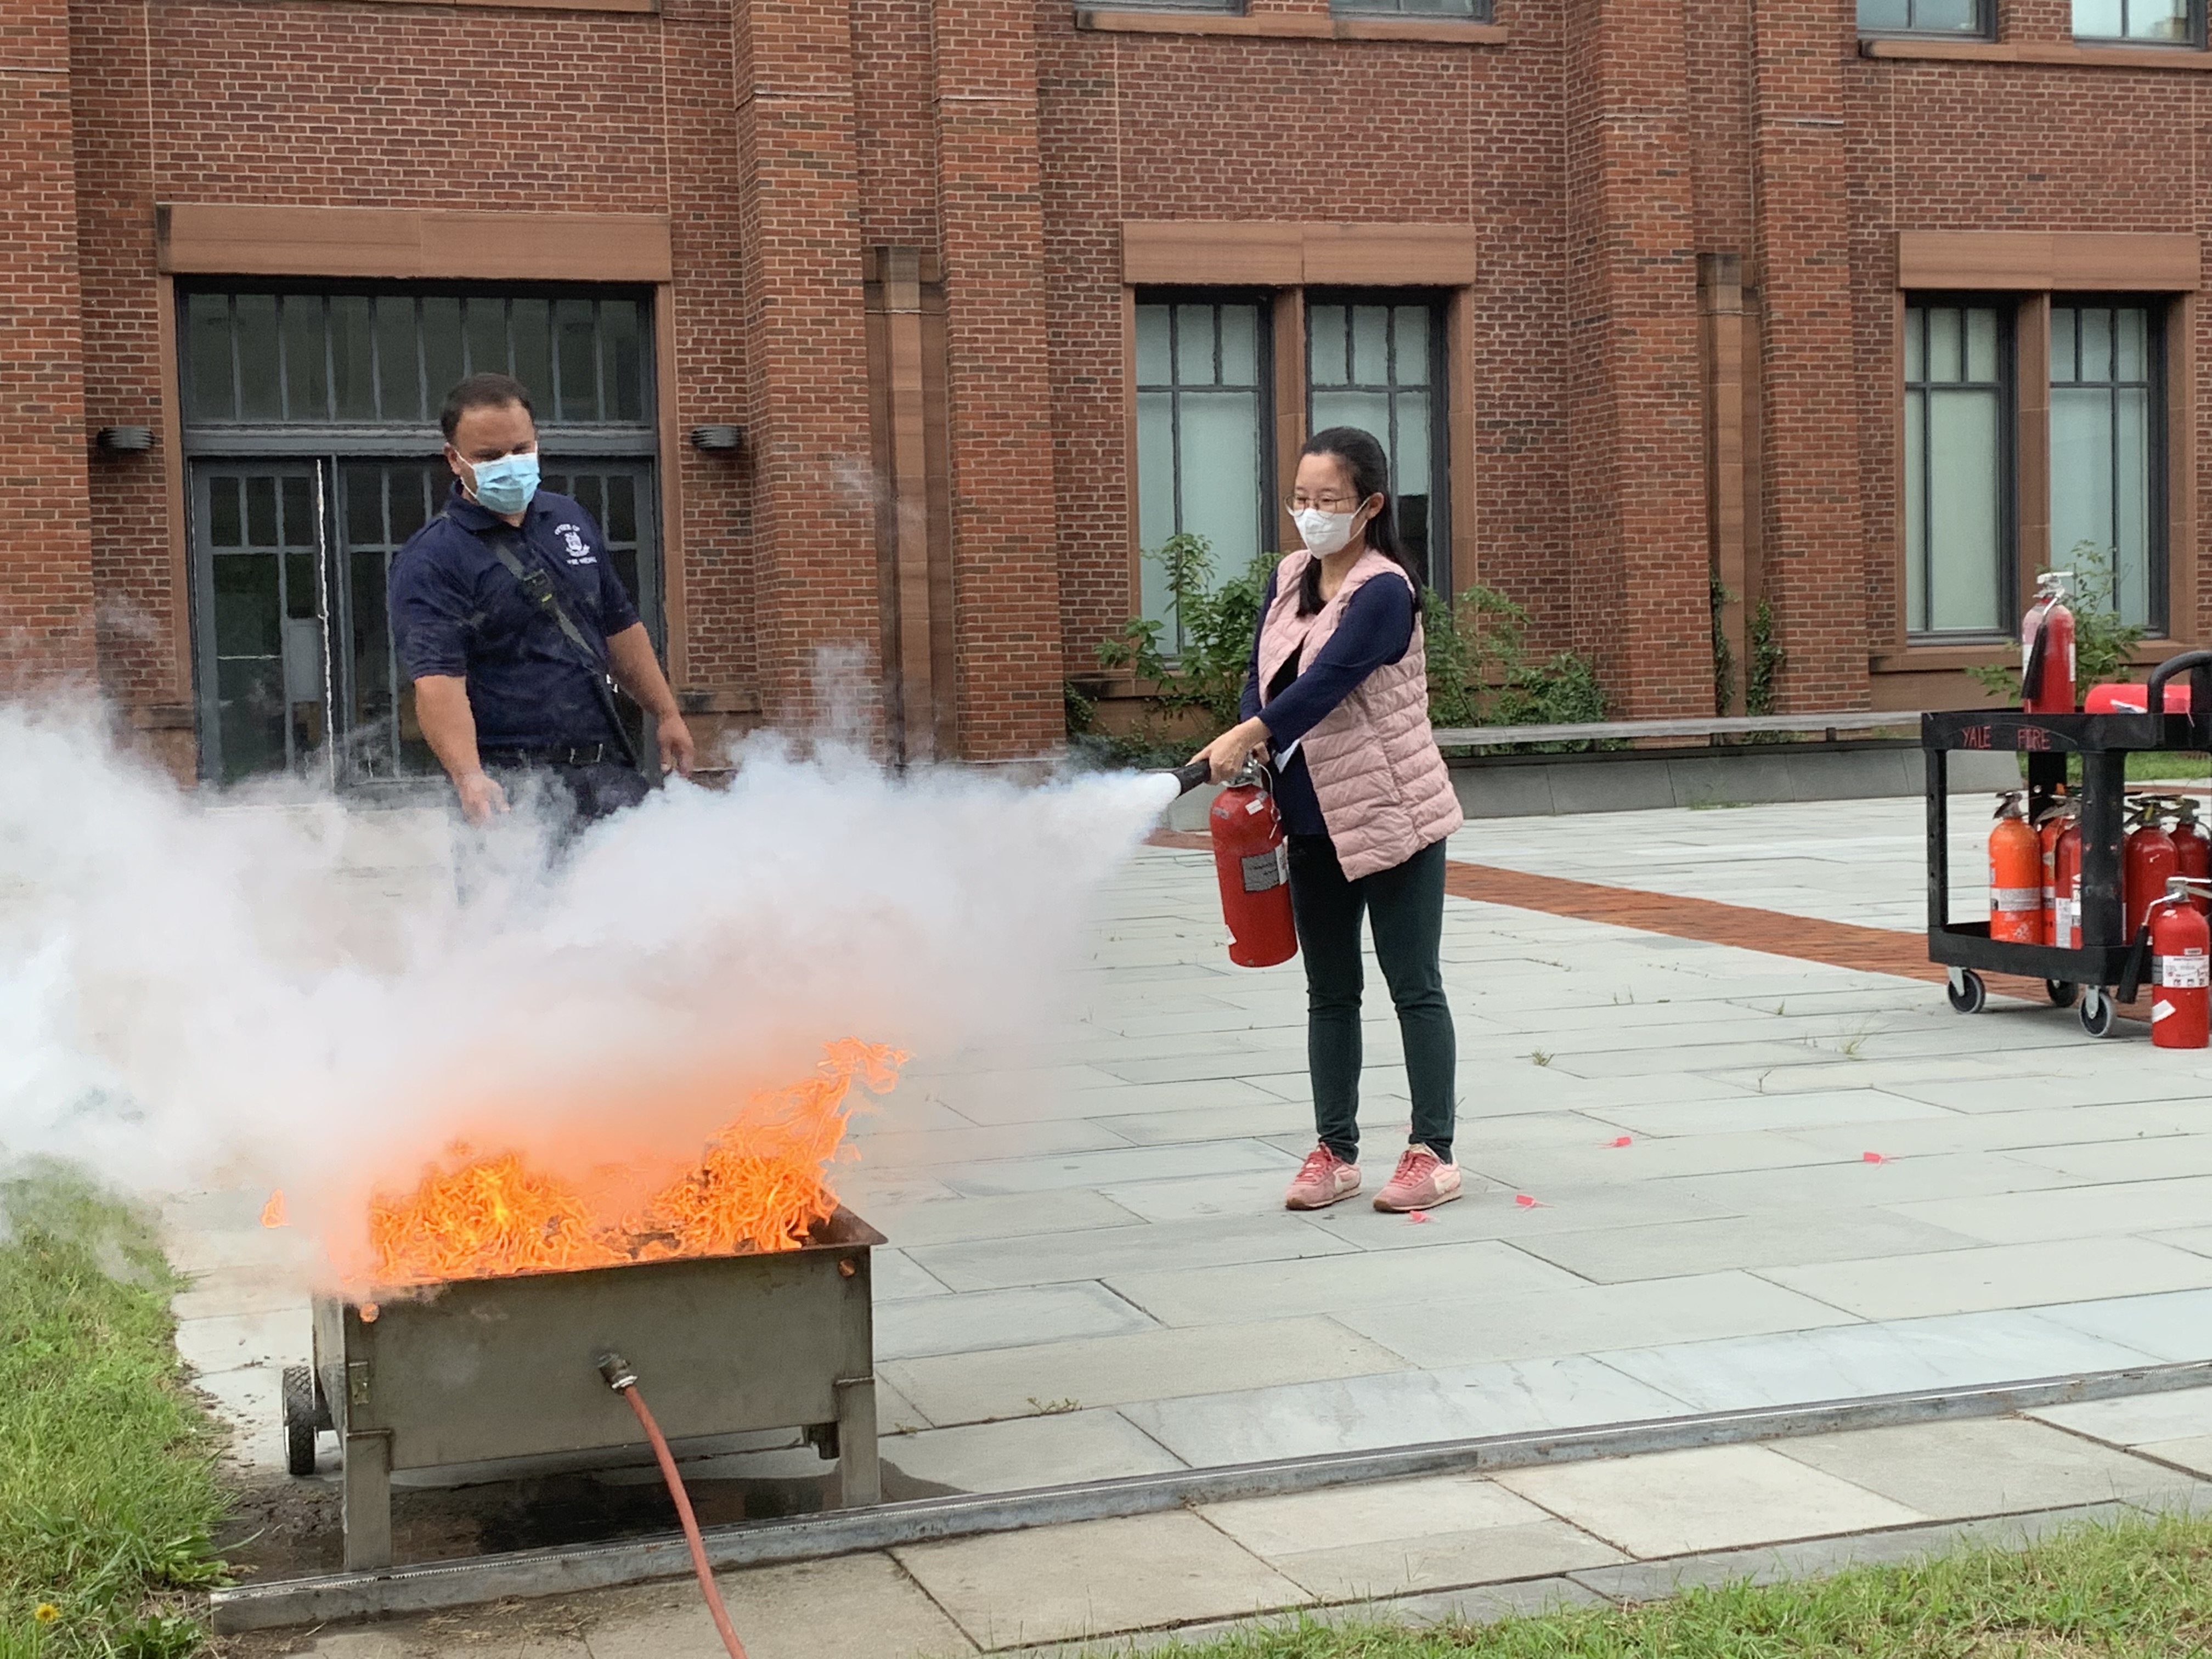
1863	312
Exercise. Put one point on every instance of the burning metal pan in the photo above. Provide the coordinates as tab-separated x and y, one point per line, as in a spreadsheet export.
487	1369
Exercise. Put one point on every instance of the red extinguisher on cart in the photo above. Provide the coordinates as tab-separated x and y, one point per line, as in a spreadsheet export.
2148	861
2016	875
2046	649
1252	861
2181	968
2193	853
2066	882
2048	829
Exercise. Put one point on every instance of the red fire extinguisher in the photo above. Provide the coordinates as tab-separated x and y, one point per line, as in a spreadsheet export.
2180	967
2066	879
2046	645
2149	860
2192	851
2051	826
2016	875
1253	861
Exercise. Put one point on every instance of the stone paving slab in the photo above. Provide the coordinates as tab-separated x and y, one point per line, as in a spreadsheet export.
1010	1589
1464	1547
1035	1196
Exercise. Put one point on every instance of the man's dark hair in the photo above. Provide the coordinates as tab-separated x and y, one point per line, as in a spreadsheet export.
483	392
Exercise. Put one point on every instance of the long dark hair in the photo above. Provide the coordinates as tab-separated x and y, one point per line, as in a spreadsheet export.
1360	453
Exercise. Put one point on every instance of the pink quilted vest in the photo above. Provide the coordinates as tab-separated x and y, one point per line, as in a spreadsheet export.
1383	789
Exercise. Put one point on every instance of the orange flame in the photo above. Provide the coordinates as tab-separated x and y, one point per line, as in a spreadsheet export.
272	1213
759	1186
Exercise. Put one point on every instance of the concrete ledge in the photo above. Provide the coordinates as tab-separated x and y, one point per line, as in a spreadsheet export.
433	1585
1536	785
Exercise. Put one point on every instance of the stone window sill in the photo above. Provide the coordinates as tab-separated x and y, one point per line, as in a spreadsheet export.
2060	52
1294	26
646	7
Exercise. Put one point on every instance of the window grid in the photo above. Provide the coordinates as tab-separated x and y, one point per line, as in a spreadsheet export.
1967	18
385	358
2108	448
1203	414
2140	22
1410	387
1959	485
1473	11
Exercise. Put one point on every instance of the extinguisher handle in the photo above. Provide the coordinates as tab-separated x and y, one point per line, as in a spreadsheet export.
2198	665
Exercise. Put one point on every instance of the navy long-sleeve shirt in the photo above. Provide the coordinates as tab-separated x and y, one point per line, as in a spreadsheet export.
1377	628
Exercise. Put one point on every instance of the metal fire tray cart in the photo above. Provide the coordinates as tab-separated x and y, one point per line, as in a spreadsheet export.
2106	960
483	1370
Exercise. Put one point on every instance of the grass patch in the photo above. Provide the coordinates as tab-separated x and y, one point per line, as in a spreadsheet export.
2133	1590
108	1494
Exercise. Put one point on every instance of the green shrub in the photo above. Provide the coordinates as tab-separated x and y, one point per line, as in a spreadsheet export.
2104	646
1195	661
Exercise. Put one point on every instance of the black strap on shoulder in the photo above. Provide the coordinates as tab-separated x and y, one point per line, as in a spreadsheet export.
535	582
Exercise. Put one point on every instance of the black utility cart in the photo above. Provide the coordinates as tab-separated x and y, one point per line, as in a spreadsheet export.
2105	961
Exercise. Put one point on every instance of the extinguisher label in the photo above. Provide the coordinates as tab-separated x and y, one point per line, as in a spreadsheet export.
1263	871
2065	910
2016	898
2189	973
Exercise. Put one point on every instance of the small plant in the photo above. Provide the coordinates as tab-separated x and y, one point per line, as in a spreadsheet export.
1196	659
1764	672
1541	1057
2104	645
1723	653
1054	1407
1203	665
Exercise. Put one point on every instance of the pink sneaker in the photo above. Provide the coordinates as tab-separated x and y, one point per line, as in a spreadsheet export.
1421	1181
1321	1180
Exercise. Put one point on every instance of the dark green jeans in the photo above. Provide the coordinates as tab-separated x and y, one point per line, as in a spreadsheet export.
1405	907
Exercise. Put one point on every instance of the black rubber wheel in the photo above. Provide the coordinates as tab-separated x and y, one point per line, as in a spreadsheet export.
2098	1014
2063	993
1968	995
300	1419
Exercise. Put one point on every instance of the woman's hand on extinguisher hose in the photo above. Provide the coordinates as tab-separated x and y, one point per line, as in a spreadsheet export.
1233	748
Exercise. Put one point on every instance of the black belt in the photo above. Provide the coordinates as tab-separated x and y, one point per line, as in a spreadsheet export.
581	754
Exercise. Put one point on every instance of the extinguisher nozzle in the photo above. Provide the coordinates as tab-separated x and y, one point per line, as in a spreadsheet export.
1188	778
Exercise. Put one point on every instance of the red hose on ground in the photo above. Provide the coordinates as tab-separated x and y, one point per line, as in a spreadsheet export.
691	1523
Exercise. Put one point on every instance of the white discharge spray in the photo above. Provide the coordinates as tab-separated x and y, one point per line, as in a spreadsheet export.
276	991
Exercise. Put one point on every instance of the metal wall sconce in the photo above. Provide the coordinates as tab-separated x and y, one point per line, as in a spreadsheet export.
717	440
125	440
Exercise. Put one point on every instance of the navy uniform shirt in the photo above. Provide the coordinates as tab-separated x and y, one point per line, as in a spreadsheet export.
455	610
1376	627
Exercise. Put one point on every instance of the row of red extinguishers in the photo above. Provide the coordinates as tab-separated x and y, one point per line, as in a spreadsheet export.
2166	884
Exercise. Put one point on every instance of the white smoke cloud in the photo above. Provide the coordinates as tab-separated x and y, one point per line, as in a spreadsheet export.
270	989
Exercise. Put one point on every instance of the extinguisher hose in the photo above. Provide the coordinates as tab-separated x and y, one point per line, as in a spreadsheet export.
624	1381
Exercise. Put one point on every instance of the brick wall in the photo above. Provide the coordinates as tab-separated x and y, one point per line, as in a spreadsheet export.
45	575
1593	156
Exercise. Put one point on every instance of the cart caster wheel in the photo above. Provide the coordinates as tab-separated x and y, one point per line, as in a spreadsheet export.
1967	993
299	1416
2099	1013
2063	993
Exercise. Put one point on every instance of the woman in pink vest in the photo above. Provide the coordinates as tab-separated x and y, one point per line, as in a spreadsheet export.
1337	696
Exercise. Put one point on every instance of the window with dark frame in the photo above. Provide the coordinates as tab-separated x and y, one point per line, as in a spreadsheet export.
1466	11
1375	360
1205	418
2140	22
310	425
2108	446
1959	477
1952	17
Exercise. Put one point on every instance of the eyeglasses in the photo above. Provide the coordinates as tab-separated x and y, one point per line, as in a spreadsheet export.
1295	505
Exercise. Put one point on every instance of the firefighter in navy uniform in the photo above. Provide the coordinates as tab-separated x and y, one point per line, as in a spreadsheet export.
510	619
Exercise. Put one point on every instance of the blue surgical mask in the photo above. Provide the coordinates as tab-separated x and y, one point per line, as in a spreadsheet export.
506	484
